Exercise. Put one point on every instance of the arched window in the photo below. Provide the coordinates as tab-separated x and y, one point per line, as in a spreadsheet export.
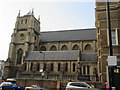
95	71
80	71
21	21
52	67
43	48
75	47
53	48
64	47
59	66
38	67
35	38
84	71
31	66
66	67
34	23
88	47
25	66
44	68
19	56
88	70
73	67
25	21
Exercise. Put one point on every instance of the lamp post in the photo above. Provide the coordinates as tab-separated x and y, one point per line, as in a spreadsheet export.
42	78
43	59
42	71
109	28
110	42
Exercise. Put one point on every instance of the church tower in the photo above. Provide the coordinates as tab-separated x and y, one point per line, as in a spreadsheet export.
25	38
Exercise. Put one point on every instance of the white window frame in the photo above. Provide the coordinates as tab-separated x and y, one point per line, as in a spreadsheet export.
116	33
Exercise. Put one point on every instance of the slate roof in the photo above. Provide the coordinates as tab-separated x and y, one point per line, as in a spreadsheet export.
69	35
89	56
61	55
53	55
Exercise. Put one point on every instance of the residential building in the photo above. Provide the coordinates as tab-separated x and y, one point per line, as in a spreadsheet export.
102	37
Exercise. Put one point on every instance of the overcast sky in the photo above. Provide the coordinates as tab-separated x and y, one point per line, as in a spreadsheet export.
54	16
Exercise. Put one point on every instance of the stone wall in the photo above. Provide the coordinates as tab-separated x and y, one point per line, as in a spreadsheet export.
102	36
46	84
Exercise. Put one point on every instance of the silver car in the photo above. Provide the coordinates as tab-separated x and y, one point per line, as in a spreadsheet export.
35	87
78	86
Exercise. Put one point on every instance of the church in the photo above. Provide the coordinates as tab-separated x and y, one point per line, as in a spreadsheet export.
53	55
54	58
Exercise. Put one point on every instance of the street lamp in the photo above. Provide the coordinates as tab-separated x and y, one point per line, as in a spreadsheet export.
109	27
43	59
42	71
110	42
42	78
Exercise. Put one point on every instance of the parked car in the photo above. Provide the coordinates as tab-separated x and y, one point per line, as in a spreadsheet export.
6	86
13	80
32	87
78	85
17	87
10	86
35	87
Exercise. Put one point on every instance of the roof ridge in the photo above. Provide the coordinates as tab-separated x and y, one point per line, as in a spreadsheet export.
69	30
57	51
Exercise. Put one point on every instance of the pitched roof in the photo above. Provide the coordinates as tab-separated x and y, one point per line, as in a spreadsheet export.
61	55
53	55
69	35
89	56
